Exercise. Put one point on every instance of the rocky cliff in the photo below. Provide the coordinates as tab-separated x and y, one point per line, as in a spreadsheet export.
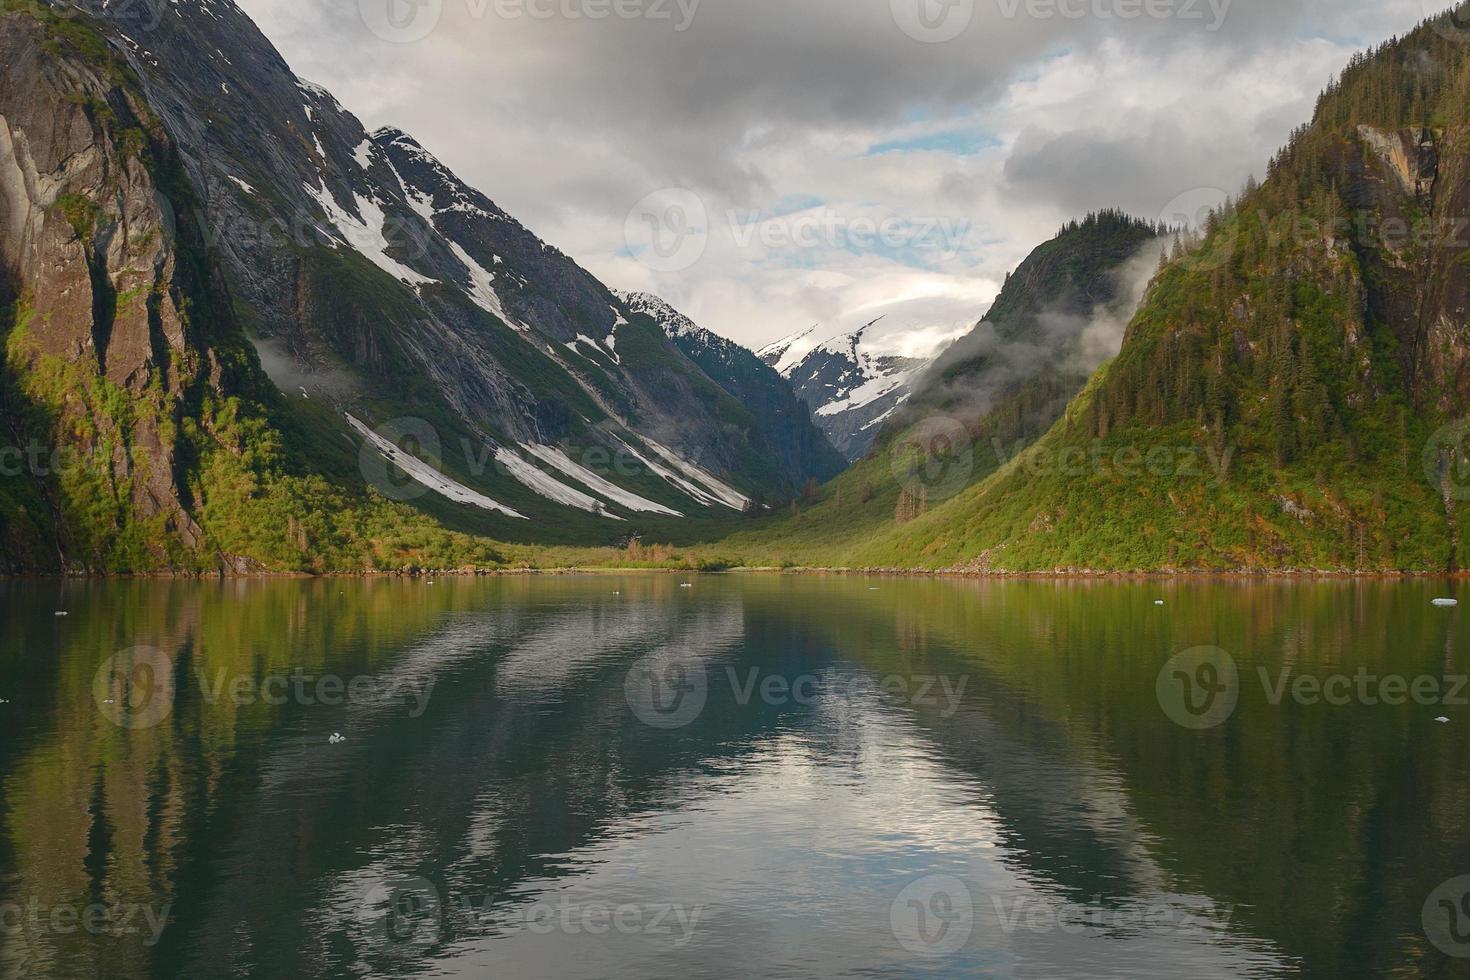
114	336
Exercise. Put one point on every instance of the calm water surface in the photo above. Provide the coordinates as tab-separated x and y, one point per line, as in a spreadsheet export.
748	776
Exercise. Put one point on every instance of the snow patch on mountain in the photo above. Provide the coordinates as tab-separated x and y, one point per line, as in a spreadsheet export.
673	478
547	486
364	154
561	461
482	287
366	234
723	492
429	476
868	392
575	346
851	379
674	323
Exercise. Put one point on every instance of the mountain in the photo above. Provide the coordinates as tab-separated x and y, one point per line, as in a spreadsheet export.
218	280
801	449
849	388
991	393
1291	393
1060	314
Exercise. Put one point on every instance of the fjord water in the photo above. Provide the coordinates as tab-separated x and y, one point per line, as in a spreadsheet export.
748	776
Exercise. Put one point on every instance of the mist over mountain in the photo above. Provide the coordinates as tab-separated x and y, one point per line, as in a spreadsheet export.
1059	317
1289	394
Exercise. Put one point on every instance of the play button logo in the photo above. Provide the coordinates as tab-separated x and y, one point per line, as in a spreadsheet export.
401	21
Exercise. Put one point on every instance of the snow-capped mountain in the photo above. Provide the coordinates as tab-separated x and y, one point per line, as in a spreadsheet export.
370	278
786	422
850	387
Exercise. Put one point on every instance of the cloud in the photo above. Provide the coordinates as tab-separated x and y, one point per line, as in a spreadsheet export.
568	119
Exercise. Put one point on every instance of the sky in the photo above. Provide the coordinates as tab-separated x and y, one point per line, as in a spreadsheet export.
765	165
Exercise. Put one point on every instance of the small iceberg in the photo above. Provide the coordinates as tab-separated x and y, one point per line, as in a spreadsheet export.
1446	603
337	738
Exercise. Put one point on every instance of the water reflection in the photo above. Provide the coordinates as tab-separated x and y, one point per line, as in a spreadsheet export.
773	776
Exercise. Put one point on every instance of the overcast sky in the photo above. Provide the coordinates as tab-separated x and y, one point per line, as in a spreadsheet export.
768	164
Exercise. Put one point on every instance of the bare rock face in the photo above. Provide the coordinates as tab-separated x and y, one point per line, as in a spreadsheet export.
1409	155
88	247
1411	192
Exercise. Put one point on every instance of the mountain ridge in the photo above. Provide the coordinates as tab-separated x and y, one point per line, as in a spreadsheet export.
850	390
804	451
370	284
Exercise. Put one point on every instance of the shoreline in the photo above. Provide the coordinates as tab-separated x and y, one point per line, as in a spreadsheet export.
1056	575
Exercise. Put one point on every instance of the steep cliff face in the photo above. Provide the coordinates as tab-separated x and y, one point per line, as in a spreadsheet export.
103	357
1412	190
360	253
784	420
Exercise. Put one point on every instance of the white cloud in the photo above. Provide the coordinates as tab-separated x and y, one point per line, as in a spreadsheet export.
766	105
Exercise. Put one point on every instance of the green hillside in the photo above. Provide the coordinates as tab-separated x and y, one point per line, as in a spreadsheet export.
1281	398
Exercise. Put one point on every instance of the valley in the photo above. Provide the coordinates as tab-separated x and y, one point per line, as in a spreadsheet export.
276	342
